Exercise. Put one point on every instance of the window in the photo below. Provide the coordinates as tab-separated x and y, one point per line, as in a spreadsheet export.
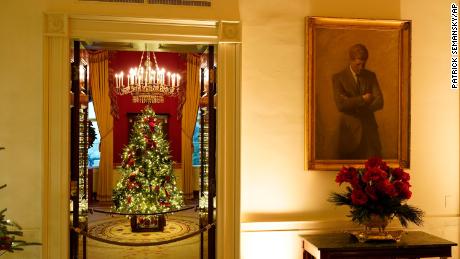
94	156
196	141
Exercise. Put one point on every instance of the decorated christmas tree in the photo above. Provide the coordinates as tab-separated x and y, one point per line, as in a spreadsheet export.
148	183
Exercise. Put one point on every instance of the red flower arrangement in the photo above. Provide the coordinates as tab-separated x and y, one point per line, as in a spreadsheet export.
377	189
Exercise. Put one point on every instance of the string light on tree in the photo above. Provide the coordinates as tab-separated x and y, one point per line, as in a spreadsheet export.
148	183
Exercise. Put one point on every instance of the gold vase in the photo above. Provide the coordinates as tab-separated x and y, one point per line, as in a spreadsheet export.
374	230
378	222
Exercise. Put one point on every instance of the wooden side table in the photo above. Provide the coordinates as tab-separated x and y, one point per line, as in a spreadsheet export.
413	244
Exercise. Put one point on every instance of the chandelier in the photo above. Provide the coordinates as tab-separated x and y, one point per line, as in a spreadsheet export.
147	84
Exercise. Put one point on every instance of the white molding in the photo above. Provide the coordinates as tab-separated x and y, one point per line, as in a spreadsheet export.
136	20
334	225
145	29
57	116
229	32
56	142
56	25
228	153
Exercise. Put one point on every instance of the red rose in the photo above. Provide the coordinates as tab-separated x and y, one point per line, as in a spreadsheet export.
402	188
373	162
399	174
374	174
371	192
358	197
387	188
348	175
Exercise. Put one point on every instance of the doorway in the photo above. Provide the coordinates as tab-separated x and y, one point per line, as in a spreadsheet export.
56	119
189	227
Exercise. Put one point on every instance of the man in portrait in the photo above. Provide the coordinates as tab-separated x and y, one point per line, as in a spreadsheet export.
357	96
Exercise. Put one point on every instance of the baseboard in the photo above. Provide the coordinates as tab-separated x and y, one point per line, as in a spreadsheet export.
430	222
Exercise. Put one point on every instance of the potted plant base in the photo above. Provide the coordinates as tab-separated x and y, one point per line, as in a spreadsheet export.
375	230
150	223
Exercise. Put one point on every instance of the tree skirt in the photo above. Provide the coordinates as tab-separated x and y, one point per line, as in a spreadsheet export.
118	230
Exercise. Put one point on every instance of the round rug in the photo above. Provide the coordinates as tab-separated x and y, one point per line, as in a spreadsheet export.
118	229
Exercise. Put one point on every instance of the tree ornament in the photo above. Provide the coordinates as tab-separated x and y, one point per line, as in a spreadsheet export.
152	125
131	162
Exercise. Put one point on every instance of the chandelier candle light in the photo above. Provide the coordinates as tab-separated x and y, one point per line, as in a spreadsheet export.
147	84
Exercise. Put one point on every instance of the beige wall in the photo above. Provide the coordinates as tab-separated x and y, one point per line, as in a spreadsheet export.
273	108
21	120
21	95
274	185
435	109
273	182
219	10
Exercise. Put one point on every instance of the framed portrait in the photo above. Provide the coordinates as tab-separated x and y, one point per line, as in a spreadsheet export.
357	92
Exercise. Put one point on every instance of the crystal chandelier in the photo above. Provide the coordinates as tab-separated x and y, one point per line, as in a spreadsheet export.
147	84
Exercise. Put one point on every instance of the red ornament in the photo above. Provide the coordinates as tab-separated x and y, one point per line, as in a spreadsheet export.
168	178
129	199
132	176
150	142
6	243
131	162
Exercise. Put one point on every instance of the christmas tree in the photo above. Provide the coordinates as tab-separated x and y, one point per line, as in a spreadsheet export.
148	183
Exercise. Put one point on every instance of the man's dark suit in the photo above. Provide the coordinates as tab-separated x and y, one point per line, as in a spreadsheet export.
359	137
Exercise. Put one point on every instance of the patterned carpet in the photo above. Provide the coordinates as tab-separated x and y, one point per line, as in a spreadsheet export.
118	230
185	249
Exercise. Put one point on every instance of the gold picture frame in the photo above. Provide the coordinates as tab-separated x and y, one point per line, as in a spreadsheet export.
335	133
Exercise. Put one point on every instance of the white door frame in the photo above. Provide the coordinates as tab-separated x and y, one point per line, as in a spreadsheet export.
59	29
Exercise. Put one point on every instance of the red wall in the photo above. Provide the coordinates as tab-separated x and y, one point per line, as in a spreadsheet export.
123	61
